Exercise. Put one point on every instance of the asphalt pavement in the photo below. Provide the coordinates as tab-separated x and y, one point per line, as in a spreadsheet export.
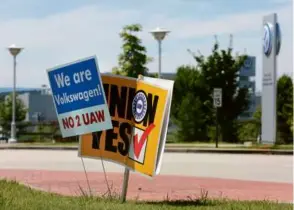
272	168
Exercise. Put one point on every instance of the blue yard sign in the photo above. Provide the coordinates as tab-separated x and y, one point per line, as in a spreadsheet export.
79	97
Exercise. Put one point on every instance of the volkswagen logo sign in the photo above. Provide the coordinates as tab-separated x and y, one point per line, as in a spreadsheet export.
278	38
248	63
267	39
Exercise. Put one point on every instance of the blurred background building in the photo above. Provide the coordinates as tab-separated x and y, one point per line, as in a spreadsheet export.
39	101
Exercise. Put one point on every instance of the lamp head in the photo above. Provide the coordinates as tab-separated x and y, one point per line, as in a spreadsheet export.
159	33
14	50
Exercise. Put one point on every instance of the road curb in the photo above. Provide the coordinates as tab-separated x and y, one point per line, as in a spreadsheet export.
170	150
37	148
230	151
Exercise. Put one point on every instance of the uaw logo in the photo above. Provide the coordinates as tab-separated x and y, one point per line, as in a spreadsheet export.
138	146
139	106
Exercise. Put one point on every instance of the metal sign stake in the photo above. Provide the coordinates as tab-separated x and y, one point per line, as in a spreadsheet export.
125	185
217	102
127	172
216	141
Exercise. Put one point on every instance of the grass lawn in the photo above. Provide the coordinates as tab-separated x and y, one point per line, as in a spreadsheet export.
14	196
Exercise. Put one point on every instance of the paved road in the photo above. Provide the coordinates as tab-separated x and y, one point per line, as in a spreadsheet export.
271	168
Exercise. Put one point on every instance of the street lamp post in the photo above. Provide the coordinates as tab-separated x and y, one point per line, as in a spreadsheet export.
159	34
14	51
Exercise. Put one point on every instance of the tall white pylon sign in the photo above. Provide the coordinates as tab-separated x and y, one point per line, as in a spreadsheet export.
271	48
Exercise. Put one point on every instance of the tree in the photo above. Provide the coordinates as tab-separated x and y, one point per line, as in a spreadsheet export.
188	110
154	75
6	112
192	120
195	84
117	71
133	58
250	130
285	108
220	70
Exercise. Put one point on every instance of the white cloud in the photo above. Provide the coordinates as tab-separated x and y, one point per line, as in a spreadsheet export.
92	30
247	30
281	1
231	23
61	38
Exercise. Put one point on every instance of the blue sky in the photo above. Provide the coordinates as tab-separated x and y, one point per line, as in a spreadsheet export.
55	32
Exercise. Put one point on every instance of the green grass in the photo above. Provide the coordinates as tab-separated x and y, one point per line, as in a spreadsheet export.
283	146
14	196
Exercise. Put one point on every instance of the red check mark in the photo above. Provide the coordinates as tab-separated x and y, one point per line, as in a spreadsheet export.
139	144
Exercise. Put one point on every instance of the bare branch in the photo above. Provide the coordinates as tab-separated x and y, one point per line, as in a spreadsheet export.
231	42
192	53
199	53
216	40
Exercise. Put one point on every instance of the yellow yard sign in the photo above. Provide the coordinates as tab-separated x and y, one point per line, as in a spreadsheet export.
138	111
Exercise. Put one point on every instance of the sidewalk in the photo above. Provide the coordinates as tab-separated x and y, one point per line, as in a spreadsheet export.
179	148
160	188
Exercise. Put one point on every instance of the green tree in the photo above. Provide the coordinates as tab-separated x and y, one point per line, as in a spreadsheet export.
257	114
189	108
192	121
117	71
194	87
220	70
6	113
184	83
154	75
133	59
250	130
285	108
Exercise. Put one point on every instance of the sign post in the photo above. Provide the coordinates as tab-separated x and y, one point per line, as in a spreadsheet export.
217	102
79	98
127	173
271	49
139	109
125	185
